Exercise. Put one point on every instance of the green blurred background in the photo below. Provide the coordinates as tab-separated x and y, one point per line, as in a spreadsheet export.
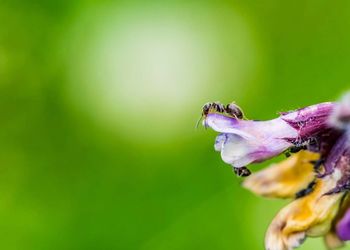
98	105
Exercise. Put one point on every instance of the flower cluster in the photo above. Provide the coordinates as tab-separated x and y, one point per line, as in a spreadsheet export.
315	174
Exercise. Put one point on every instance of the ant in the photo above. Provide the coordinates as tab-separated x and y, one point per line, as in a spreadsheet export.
301	146
212	106
306	191
230	109
242	171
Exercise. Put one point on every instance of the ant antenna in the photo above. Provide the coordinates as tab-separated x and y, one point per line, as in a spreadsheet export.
199	120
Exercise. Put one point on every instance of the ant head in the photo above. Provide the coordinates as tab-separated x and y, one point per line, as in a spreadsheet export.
206	107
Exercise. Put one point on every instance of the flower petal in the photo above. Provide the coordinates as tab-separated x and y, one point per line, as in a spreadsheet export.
243	142
339	159
332	240
343	227
310	120
224	124
310	215
219	141
276	128
236	151
256	141
340	117
284	179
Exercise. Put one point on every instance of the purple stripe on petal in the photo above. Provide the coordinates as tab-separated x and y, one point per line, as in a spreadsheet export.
310	120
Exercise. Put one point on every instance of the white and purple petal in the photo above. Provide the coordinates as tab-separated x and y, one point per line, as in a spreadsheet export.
311	120
242	142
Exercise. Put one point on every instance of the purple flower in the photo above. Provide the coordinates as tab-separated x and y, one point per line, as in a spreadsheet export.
316	176
242	142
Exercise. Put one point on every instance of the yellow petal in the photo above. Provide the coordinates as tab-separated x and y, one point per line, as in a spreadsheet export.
311	215
285	179
331	239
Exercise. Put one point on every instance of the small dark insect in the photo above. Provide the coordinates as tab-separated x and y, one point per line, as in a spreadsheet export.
230	109
212	106
242	171
296	149
317	164
306	191
306	144
233	110
287	154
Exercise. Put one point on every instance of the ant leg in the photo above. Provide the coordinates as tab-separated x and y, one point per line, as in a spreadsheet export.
287	153
317	164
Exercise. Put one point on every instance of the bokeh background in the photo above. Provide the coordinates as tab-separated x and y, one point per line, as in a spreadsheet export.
98	106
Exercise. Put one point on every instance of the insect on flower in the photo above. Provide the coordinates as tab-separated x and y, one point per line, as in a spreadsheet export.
316	176
230	109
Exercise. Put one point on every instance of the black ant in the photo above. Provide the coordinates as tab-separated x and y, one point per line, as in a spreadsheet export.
212	106
229	109
294	149
297	148
300	146
242	171
306	191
